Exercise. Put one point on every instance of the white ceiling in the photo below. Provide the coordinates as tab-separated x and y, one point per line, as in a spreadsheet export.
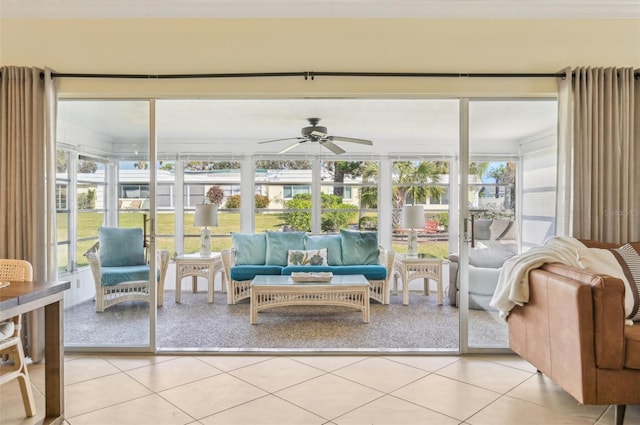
237	126
545	9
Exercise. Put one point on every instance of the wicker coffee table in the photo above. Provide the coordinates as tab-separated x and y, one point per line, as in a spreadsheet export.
277	291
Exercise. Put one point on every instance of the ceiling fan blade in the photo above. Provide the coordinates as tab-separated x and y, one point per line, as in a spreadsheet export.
316	133
350	140
280	140
332	147
287	149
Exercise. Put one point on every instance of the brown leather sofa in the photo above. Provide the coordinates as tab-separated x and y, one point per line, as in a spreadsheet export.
572	330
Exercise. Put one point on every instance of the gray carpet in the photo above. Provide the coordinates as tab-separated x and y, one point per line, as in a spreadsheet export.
197	325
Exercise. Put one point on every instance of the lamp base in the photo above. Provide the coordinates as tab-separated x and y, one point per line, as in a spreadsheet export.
205	242
412	244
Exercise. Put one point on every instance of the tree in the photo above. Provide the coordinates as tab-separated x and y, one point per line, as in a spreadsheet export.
331	221
410	181
87	200
215	195
88	167
340	169
61	161
269	164
504	174
211	165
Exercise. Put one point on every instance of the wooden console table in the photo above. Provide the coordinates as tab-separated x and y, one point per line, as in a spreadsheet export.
22	297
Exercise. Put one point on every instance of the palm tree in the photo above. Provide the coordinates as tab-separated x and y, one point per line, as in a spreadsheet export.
410	181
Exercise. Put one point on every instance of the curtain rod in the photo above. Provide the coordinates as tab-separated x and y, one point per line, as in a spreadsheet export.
312	74
308	75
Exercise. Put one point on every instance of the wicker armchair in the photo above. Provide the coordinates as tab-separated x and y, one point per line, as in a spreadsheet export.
119	276
10	341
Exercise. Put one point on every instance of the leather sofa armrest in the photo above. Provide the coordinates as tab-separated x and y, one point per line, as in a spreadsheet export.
601	314
608	313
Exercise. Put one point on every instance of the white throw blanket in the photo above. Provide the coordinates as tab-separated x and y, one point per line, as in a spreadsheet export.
513	283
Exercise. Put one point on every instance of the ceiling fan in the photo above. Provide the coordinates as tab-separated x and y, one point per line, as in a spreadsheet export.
318	134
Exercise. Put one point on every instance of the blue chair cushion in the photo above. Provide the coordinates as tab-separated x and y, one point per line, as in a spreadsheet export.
331	243
371	272
120	247
359	248
250	248
248	272
279	244
114	275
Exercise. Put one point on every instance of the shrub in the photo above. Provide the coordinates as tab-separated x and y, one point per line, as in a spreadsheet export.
330	222
233	201
262	201
87	200
215	195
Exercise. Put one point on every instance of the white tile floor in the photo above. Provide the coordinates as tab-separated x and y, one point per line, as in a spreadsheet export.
314	390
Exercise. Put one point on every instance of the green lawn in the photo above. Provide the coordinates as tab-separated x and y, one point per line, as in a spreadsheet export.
89	222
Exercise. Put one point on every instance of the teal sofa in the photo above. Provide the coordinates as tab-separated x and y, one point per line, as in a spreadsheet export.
283	253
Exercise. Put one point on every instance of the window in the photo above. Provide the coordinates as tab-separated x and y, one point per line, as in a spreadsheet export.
63	212
283	195
289	192
343	206
211	182
492	189
422	182
91	203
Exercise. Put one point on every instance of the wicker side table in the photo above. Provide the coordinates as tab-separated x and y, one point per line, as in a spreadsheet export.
195	265
423	266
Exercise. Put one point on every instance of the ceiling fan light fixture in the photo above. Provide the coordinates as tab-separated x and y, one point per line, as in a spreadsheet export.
318	134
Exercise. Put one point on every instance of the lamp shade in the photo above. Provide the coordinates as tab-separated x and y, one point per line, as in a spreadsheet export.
206	215
413	217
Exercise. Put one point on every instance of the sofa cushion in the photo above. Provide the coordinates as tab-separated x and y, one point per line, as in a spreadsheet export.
114	275
632	347
333	244
491	254
279	244
248	272
483	280
503	229
371	272
311	257
250	248
482	229
7	329
120	247
359	248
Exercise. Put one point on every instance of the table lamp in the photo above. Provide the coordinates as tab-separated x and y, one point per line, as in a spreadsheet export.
413	218
206	215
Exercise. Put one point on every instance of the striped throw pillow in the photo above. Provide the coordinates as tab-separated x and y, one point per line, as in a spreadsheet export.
629	260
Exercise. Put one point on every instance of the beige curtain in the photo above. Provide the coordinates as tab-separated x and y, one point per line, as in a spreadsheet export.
27	178
600	115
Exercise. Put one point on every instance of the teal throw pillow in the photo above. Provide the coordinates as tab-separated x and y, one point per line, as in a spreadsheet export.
332	243
279	244
359	248
250	248
120	247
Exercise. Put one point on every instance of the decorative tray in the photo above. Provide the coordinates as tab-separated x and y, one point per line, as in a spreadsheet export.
311	277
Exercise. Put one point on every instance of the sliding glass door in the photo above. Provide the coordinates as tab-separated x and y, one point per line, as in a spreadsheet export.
104	181
508	202
482	172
